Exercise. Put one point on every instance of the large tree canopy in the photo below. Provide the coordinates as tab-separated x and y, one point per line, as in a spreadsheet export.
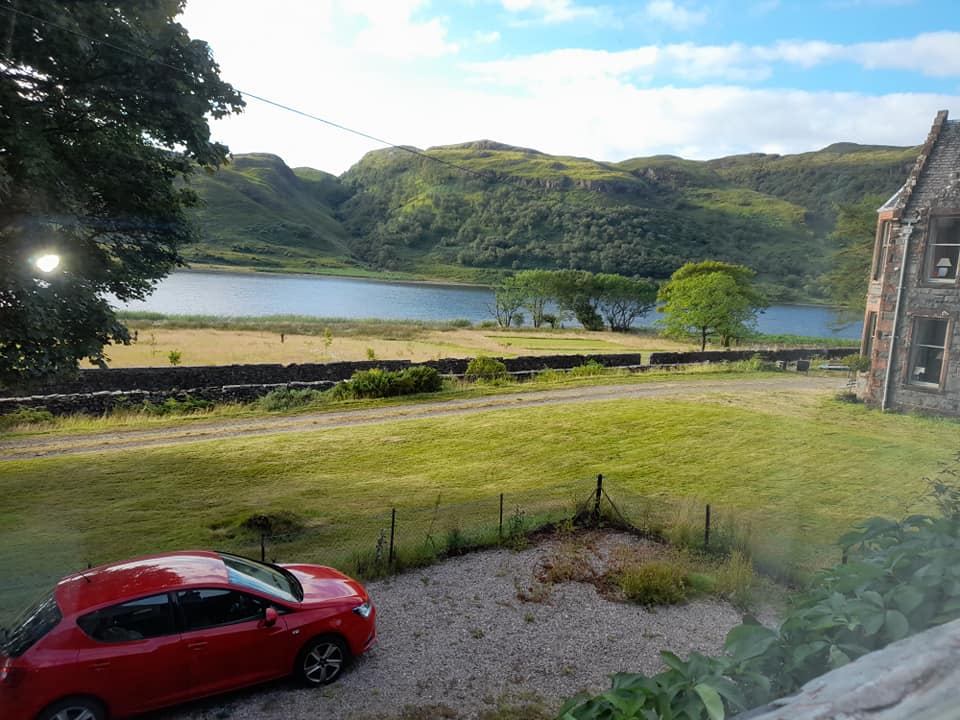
710	298
846	283
103	106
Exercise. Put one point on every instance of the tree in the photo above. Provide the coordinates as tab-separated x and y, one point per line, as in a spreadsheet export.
93	141
623	299
538	288
508	298
578	292
846	283
699	304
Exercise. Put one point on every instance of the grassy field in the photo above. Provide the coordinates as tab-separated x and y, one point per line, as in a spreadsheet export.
203	340
799	467
355	341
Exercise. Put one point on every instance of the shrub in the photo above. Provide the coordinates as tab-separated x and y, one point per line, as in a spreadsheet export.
654	583
461	323
288	399
378	383
485	368
25	416
175	357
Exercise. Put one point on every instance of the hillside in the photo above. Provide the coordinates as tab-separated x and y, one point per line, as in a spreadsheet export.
257	212
505	208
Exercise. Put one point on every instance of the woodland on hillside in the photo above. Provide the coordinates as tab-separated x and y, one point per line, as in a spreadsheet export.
486	210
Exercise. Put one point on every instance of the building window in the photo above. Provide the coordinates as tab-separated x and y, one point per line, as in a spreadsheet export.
943	251
880	253
869	332
927	351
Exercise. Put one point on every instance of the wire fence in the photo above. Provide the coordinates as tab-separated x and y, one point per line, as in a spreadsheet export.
398	538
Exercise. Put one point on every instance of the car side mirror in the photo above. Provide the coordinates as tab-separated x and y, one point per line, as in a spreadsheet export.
269	617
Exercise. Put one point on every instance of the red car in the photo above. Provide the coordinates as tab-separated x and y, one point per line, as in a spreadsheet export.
154	631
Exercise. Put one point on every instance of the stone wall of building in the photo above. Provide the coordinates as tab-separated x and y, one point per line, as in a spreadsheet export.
934	188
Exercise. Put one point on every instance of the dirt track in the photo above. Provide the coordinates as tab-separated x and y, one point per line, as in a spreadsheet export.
222	429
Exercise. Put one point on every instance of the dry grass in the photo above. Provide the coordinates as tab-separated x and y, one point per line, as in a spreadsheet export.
225	347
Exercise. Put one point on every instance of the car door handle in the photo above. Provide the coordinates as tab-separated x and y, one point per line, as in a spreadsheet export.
101	665
197	645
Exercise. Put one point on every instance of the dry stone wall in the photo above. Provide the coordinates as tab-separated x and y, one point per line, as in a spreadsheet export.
97	391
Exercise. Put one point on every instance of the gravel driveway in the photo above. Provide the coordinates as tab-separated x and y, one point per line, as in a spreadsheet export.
456	641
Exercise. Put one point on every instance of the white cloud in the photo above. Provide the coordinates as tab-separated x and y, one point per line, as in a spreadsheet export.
552	11
676	16
486	38
392	32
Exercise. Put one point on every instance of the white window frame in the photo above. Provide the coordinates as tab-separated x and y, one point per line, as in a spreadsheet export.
919	353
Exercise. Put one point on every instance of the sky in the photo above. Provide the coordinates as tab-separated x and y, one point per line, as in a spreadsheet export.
605	80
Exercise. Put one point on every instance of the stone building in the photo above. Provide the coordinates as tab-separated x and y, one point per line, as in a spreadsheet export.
911	327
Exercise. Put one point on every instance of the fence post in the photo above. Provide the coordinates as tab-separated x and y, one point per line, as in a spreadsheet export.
393	527
500	531
263	548
706	530
596	502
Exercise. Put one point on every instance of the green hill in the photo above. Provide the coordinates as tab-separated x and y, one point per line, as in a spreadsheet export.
489	208
256	212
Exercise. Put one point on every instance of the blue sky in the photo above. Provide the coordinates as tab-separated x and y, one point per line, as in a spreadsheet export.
607	80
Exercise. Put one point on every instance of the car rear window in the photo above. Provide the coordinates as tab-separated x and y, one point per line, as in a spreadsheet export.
133	620
32	625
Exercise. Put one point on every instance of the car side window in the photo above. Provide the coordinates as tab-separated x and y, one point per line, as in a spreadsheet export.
211	607
133	620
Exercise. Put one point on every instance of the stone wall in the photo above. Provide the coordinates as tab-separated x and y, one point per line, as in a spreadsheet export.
97	391
932	189
684	358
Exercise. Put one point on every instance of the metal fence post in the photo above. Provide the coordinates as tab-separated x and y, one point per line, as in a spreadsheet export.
706	529
263	548
500	531
393	527
596	502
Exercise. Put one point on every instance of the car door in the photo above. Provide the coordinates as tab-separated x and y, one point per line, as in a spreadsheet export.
228	642
131	655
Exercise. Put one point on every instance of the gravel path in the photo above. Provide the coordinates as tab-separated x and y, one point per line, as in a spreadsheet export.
455	640
199	431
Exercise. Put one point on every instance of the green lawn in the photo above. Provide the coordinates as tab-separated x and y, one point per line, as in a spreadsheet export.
801	468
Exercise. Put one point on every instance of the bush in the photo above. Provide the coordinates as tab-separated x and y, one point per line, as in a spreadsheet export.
461	323
654	583
484	367
25	416
287	399
384	383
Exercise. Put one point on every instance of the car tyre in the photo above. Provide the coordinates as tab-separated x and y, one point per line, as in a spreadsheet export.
322	660
74	708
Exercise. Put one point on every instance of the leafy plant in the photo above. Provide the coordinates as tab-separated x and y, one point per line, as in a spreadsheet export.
379	383
174	357
485	368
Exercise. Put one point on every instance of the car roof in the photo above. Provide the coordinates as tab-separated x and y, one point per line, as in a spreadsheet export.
138	577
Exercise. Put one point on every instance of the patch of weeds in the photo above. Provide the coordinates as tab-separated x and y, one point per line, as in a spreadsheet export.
568	564
477	634
25	416
529	618
701	583
288	399
174	406
654	583
735	578
516	530
536	592
526	706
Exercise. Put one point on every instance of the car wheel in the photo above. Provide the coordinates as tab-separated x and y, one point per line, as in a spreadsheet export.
322	660
75	709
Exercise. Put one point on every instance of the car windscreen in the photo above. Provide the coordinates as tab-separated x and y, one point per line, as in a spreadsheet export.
35	622
260	576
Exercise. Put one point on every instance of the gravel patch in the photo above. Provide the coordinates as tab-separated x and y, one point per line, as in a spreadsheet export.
457	635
